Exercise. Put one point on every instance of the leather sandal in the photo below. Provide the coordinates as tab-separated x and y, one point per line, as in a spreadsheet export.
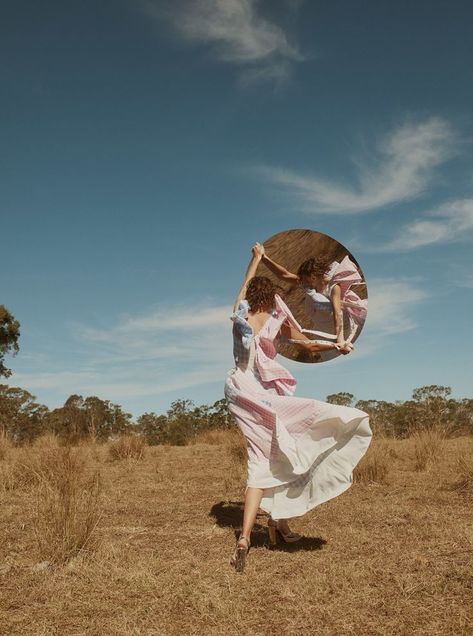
238	558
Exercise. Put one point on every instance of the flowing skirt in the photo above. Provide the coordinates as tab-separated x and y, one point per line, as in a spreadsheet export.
301	451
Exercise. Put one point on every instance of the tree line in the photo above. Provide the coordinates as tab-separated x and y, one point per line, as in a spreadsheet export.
80	418
22	419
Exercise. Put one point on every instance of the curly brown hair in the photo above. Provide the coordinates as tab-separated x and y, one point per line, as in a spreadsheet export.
319	265
260	294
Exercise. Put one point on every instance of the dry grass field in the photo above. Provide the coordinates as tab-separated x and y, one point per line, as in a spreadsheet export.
125	540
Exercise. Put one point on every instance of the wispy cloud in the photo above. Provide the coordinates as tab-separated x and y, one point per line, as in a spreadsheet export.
237	33
452	221
392	308
466	281
178	318
401	167
391	305
140	357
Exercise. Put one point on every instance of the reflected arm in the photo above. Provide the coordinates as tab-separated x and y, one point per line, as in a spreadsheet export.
336	300
306	343
279	270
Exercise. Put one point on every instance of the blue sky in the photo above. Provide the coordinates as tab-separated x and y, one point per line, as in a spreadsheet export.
146	145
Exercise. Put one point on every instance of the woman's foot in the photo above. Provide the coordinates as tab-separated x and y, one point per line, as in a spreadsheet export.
285	532
284	526
238	558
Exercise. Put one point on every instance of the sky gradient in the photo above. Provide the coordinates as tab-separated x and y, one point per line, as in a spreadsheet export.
148	144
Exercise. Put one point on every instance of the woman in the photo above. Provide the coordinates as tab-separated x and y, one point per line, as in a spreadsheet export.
301	452
327	286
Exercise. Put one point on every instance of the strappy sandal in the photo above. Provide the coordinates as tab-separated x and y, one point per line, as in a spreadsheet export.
274	530
238	558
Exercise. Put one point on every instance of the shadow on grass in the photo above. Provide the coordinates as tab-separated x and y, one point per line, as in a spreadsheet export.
229	514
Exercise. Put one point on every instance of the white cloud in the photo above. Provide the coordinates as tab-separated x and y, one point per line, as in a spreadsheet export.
237	33
180	318
451	221
390	306
401	168
139	357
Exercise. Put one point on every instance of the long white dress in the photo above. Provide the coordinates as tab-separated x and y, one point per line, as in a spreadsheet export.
301	451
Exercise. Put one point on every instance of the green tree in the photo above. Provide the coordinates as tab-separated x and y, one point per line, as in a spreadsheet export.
155	428
182	422
220	416
9	334
342	399
21	418
433	405
90	417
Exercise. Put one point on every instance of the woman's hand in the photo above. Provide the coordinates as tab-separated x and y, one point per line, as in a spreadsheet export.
258	250
344	347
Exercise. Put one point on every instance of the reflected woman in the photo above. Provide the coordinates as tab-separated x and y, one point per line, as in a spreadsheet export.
328	294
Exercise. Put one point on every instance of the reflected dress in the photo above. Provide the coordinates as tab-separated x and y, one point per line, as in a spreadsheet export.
319	307
301	451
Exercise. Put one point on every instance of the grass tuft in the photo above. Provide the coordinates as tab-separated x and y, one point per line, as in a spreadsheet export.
428	447
375	465
127	447
5	444
67	505
464	482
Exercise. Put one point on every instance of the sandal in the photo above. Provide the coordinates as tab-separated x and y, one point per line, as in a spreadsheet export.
274	529
238	558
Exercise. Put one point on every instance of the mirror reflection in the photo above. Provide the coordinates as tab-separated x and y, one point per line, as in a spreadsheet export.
324	287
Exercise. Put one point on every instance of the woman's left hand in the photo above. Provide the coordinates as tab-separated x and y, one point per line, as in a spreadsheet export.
258	250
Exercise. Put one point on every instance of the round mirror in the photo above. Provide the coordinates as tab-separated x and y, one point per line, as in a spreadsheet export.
322	284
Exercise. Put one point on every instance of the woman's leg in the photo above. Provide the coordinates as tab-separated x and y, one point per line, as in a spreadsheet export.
253	498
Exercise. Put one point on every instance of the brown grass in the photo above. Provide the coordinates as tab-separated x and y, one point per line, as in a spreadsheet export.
464	480
212	436
48	441
393	559
127	447
67	505
5	445
429	444
235	449
375	465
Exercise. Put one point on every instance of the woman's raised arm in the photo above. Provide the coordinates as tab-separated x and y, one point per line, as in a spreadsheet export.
250	273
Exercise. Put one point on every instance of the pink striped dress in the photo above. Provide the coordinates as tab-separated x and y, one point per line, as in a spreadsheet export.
301	451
